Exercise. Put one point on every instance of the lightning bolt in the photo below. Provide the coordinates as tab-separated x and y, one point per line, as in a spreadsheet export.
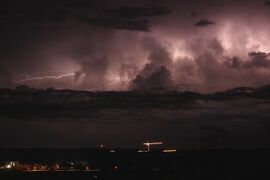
45	78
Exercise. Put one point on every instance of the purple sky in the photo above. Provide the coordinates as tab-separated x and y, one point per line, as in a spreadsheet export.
203	46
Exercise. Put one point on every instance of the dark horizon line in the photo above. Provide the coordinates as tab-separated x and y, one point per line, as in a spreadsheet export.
152	90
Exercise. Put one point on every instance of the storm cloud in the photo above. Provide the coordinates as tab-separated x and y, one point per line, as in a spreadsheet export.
123	45
155	74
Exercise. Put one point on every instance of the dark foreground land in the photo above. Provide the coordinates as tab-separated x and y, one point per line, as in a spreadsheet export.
195	164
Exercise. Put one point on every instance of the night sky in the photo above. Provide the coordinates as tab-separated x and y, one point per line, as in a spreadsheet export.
203	46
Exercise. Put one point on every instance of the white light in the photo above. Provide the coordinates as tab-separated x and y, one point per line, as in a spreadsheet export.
8	166
142	151
169	151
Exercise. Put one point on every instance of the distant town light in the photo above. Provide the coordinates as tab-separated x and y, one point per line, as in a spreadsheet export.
8	166
142	151
169	151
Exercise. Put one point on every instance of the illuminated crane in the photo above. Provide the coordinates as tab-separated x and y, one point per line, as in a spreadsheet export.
149	144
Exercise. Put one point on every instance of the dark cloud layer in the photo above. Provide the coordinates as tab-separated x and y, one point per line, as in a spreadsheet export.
90	12
256	60
185	120
126	12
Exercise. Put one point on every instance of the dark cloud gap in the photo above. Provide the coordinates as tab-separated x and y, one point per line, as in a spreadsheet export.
204	23
267	3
